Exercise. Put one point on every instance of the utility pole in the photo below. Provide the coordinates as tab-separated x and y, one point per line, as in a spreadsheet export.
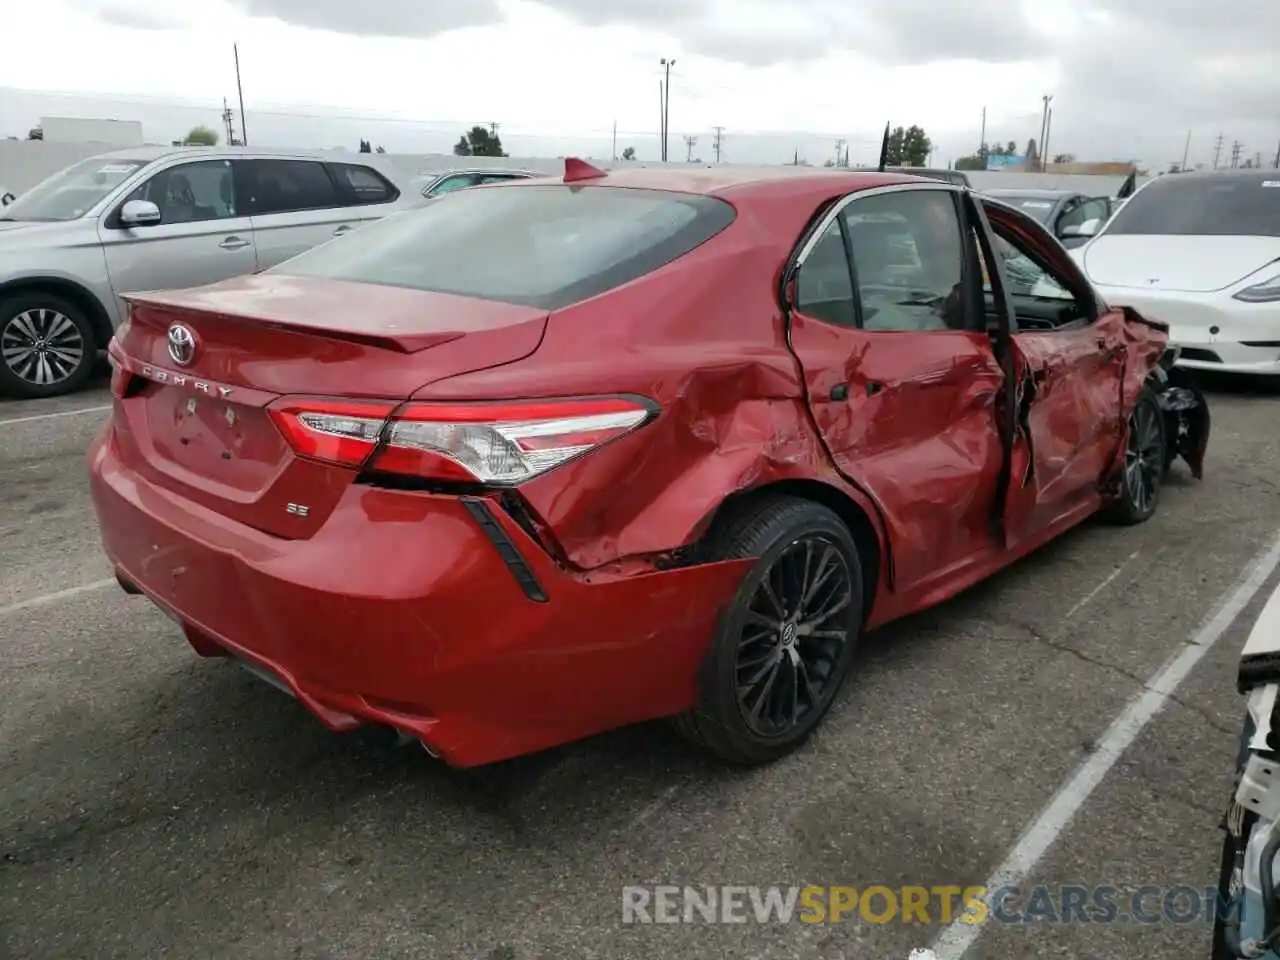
1186	152
982	132
615	140
244	136
493	128
719	140
839	151
1217	150
228	124
1236	147
1044	122
1276	165
666	105
1044	144
690	142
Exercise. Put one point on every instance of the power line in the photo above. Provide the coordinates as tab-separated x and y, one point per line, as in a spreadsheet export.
718	140
1217	150
690	142
1236	147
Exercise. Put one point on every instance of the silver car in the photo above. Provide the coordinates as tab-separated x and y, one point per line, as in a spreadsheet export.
157	218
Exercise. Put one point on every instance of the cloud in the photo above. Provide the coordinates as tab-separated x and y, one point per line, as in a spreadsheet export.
383	18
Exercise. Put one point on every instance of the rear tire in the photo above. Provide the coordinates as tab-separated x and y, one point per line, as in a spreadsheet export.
47	346
785	644
1145	463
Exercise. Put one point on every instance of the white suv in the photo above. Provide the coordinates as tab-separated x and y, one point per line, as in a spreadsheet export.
159	218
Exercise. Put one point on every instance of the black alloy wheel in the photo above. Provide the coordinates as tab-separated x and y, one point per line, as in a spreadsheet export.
785	643
1144	463
792	636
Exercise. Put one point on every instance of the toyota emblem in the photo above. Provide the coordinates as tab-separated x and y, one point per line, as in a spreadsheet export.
182	344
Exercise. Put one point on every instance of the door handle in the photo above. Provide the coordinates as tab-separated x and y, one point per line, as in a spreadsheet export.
345	228
234	243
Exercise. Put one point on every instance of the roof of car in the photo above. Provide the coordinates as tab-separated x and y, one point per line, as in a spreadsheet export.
776	181
147	154
496	171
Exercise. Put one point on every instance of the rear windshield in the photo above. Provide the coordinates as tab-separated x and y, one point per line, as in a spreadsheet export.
544	246
1228	205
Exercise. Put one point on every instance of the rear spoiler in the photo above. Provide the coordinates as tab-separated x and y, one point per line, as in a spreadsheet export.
161	309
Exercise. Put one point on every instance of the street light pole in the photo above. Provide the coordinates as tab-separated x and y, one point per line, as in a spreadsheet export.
666	105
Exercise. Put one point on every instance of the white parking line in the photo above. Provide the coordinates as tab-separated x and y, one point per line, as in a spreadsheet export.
955	940
47	598
1102	586
50	416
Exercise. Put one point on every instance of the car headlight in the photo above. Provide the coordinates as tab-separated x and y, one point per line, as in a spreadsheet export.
1170	357
1267	291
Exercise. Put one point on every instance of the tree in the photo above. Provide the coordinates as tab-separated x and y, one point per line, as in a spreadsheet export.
1033	154
381	149
479	143
629	153
200	136
1011	150
364	147
35	133
1064	158
908	147
916	146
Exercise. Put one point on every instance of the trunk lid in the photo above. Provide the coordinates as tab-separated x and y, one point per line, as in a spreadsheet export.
202	428
1183	264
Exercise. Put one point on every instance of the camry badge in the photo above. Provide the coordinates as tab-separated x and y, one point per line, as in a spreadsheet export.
182	345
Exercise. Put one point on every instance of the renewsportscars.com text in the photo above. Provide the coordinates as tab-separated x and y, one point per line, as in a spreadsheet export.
930	905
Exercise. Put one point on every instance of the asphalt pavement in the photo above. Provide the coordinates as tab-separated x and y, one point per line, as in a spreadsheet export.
153	804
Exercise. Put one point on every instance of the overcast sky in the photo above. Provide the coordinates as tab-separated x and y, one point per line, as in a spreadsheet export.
1129	79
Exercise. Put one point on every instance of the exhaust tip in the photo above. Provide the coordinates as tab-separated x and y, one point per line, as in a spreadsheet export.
127	585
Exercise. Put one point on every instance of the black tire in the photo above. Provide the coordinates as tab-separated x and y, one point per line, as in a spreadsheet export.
1144	463
62	345
790	537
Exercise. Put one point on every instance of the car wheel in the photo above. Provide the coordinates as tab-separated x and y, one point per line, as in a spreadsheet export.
46	346
785	644
1144	463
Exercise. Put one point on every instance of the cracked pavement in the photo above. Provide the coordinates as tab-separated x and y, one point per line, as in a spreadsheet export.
154	804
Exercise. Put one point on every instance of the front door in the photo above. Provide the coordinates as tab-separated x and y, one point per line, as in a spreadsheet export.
203	236
1069	359
902	380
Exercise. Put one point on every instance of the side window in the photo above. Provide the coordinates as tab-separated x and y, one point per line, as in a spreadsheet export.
499	178
1073	216
824	286
908	257
192	192
363	184
284	186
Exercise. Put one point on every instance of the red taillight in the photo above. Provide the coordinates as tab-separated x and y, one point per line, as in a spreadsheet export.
498	443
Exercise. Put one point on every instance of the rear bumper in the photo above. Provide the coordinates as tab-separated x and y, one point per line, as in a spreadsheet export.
401	610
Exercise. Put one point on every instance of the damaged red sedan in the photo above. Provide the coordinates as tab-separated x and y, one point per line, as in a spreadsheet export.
543	459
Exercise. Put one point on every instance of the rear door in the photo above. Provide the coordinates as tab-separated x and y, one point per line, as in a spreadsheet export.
902	380
294	205
1069	366
204	235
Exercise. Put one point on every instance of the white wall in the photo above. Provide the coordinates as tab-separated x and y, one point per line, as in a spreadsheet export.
24	163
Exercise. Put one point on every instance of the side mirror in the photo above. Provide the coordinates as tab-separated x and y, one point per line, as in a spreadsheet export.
140	213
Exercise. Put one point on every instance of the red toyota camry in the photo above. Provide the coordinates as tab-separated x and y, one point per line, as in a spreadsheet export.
547	458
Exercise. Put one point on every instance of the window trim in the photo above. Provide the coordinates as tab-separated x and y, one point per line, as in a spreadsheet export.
347	193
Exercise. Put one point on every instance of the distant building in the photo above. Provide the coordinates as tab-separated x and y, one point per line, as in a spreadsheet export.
111	133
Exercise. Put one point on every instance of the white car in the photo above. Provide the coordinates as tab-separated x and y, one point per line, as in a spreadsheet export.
1200	251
